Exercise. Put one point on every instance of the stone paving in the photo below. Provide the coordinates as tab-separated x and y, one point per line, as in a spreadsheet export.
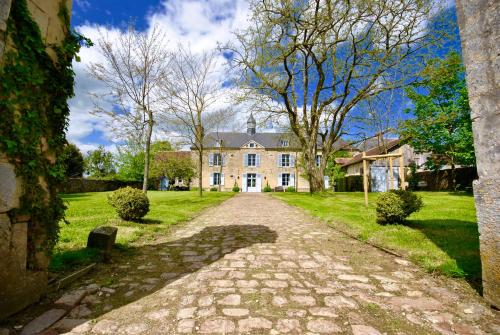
256	265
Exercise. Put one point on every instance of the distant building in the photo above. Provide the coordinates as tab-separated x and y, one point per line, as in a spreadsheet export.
253	160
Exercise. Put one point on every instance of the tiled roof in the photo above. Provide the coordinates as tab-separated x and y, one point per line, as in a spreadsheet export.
267	140
379	150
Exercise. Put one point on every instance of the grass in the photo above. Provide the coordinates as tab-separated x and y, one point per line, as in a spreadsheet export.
442	237
89	210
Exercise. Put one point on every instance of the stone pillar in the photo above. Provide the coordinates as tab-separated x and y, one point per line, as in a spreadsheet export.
479	22
20	283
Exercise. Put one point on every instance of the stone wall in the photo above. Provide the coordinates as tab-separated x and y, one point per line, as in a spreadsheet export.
479	22
22	284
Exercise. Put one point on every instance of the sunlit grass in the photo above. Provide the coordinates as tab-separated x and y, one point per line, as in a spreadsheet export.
89	210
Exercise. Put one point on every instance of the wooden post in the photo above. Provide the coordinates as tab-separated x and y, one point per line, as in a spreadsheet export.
391	174
402	170
365	179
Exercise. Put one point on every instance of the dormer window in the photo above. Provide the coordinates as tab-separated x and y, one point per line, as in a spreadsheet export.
284	143
251	145
218	143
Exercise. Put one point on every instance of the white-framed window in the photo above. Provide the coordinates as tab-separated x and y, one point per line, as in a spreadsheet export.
285	179
285	159
284	143
251	145
217	159
251	160
318	160
216	178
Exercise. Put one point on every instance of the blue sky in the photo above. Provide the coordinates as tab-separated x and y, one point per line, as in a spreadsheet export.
200	23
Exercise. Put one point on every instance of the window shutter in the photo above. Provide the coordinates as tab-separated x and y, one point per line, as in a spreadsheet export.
210	159
222	179
279	160
292	180
211	179
223	159
244	182
292	160
327	182
245	160
279	179
257	160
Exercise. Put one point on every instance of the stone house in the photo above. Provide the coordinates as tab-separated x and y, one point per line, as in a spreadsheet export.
379	174
253	160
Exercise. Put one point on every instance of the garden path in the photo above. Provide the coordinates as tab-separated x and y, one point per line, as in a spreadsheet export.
256	265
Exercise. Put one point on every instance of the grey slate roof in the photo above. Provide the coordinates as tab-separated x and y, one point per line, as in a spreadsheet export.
267	140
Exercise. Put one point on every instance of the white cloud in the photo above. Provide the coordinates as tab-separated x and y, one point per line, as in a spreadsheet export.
199	24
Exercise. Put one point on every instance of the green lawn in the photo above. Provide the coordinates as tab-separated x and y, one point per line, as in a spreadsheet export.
442	237
89	210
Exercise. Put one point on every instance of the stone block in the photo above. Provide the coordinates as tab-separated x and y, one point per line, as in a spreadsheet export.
19	244
69	300
10	186
43	322
20	290
4	13
5	233
102	238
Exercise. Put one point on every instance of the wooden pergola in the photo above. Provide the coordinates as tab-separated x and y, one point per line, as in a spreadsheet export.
391	173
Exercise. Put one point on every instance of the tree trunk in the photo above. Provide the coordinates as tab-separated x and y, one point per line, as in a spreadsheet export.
200	172
453	177
146	154
314	174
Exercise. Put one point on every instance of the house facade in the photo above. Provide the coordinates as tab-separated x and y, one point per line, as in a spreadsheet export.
379	170
252	161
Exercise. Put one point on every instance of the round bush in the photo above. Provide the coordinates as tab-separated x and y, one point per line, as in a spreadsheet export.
267	188
396	205
411	202
130	203
214	189
236	189
290	189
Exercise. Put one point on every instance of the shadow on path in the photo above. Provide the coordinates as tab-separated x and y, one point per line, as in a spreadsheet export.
137	272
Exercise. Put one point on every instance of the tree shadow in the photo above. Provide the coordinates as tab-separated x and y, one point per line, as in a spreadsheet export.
460	241
139	271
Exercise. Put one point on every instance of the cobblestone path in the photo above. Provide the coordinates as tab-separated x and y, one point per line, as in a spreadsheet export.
256	265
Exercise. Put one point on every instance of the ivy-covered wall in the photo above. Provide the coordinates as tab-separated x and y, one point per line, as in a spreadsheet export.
37	47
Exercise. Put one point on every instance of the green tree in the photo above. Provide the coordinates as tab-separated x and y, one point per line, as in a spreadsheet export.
313	62
173	167
442	123
130	159
334	170
99	163
72	160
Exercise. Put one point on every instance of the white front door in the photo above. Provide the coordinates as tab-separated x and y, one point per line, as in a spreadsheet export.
252	183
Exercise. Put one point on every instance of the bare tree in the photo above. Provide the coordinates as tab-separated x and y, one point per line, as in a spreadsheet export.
134	65
319	59
189	96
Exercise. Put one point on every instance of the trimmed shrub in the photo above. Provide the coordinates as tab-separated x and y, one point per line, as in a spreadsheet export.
290	189
236	188
213	189
130	203
396	205
411	202
267	188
